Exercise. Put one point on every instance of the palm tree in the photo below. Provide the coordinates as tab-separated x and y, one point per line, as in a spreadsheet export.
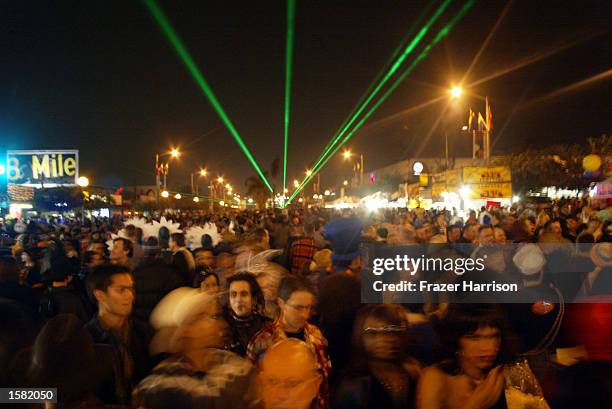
257	189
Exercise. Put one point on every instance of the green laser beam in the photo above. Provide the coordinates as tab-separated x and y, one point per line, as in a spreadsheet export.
191	66
362	104
288	70
441	34
383	70
398	62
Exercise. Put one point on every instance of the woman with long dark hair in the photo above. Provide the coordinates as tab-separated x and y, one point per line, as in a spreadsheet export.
382	373
470	376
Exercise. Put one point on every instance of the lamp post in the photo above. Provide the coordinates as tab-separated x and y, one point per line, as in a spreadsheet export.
194	186
83	182
163	168
347	155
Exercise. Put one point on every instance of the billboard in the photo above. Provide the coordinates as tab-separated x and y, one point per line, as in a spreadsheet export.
486	174
42	168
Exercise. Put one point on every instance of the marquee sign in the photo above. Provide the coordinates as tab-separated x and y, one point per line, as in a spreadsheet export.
42	168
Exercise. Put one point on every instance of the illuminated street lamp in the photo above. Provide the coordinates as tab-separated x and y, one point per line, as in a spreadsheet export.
308	172
162	169
165	194
219	179
196	199
345	183
296	183
83	181
177	196
456	92
194	184
347	155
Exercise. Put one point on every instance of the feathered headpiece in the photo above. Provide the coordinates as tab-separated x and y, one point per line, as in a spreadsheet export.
194	235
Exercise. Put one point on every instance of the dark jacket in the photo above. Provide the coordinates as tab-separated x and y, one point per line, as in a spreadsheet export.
66	300
135	348
243	329
153	279
20	293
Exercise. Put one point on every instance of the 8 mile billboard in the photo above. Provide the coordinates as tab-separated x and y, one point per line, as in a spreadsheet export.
42	168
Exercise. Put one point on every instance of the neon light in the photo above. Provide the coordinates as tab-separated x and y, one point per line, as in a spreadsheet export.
191	66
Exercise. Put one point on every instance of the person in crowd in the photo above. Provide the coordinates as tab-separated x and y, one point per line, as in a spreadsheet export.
153	279
98	246
289	376
381	373
122	252
204	258
112	288
524	231
210	283
12	289
453	234
199	373
302	250
470	233
296	301
471	376
182	259
245	310
64	355
500	235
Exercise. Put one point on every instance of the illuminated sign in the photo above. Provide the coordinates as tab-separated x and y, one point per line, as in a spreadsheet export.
42	168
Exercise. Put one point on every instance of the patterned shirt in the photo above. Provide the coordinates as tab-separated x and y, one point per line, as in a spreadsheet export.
274	333
302	251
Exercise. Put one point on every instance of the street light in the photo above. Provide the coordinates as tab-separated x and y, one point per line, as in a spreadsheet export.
345	183
296	183
456	91
308	172
163	168
165	194
196	199
347	155
83	181
194	185
177	196
219	179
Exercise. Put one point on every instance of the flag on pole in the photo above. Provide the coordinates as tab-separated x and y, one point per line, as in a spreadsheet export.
482	124
489	115
470	119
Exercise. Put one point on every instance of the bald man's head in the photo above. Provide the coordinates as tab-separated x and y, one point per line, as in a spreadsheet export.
289	375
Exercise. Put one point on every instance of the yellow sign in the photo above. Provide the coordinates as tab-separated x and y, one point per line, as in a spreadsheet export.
488	174
423	179
490	191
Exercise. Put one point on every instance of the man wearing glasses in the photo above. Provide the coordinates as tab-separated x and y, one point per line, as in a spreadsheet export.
112	288
296	301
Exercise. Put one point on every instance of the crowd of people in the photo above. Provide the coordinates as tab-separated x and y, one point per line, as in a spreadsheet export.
263	309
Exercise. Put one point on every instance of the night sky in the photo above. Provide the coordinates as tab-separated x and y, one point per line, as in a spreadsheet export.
99	76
